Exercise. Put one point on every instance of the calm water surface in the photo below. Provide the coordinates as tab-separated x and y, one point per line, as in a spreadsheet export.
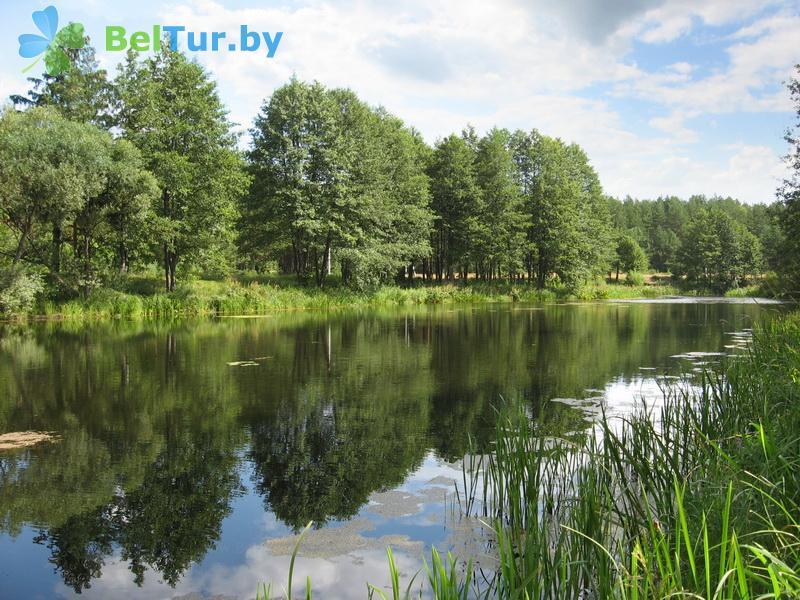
191	452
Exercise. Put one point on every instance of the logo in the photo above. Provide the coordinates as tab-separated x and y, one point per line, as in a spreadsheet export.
53	43
196	41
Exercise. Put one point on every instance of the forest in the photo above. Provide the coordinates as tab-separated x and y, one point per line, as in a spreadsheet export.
105	179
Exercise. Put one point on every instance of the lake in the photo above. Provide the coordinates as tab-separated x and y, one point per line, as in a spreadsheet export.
189	454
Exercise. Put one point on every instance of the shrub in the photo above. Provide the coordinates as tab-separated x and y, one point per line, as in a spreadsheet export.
634	278
18	291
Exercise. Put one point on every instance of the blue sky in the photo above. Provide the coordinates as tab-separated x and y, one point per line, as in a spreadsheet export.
667	97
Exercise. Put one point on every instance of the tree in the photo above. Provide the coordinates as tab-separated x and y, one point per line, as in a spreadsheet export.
119	219
81	93
395	217
299	204
66	185
169	108
454	200
629	256
500	230
44	175
568	230
335	180
717	252
595	240
790	195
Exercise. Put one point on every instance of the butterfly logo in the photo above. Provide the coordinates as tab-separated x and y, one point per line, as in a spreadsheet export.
53	43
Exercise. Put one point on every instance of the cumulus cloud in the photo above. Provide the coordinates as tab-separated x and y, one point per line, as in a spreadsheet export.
571	69
331	578
592	20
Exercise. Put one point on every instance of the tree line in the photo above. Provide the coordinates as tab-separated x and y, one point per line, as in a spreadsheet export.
716	242
102	175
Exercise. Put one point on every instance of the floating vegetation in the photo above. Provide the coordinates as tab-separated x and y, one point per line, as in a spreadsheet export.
331	542
24	439
251	362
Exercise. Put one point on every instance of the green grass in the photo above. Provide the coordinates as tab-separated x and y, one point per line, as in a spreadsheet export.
140	297
698	499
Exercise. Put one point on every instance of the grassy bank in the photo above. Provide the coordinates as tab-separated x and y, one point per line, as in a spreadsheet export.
243	297
697	499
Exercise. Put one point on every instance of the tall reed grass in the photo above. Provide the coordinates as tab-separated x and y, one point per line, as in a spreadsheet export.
232	297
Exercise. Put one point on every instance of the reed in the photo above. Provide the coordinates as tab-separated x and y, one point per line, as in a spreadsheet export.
234	297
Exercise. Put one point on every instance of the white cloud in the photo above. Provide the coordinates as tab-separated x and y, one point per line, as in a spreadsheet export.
748	172
516	63
340	578
747	84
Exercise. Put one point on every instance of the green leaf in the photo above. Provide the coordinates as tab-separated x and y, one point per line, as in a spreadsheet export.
55	60
71	36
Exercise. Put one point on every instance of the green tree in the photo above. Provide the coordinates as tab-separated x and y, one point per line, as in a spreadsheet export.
395	216
81	93
500	231
455	196
568	230
717	252
629	256
790	195
63	176
300	205
335	180
43	174
111	227
595	239
170	109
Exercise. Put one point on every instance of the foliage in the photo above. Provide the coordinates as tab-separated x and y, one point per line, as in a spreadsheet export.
82	93
18	291
74	199
634	278
233	297
499	235
663	226
454	197
335	181
629	256
568	232
331	190
170	110
718	252
789	265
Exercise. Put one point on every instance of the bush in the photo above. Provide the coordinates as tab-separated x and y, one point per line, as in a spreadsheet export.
634	278
18	291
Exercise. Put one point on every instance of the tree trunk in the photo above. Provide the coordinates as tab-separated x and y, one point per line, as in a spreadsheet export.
123	258
56	259
170	266
20	247
540	274
166	268
328	268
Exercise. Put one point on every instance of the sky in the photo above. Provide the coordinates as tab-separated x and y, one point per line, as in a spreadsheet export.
668	97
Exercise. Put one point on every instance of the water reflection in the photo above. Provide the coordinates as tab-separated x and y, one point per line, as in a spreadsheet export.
184	446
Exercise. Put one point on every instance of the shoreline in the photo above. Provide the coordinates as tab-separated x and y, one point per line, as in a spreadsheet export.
204	298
